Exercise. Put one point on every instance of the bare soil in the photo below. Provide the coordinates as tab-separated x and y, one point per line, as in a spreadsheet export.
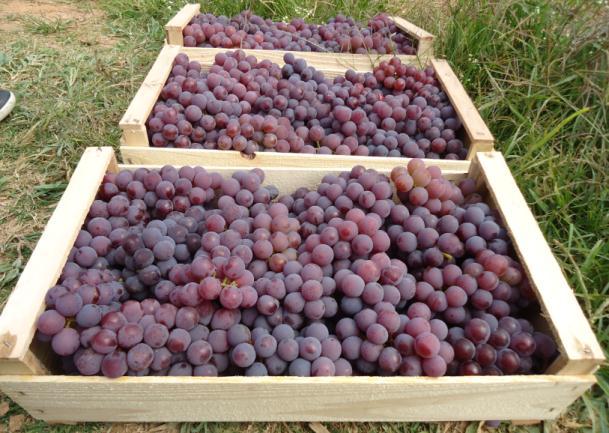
82	19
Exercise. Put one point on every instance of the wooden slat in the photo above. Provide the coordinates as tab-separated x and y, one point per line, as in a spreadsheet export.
581	351
287	179
173	29
133	122
481	139
423	38
26	302
230	158
28	364
331	64
164	399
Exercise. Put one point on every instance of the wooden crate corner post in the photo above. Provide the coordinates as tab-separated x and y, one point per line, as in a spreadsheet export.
481	138
175	26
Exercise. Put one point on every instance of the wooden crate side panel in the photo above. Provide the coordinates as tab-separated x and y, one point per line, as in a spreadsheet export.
164	399
331	64
173	29
136	136
423	38
581	351
481	139
28	364
26	302
159	156
133	122
285	179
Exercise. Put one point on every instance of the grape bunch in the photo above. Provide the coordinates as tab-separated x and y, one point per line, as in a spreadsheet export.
248	105
186	272
340	35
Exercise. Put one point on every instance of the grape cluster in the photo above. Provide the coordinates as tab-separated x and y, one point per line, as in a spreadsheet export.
248	105
340	35
187	272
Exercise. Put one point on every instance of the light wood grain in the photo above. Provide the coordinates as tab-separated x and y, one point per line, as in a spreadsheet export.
579	347
480	137
26	302
286	179
133	123
230	158
422	38
175	26
157	399
331	64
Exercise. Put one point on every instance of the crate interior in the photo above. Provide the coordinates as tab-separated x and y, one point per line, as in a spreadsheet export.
412	33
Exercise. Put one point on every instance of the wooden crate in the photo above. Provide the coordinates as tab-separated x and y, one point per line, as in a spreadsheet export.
136	148
422	39
74	398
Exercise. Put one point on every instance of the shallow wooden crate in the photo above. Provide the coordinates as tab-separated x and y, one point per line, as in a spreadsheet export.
135	145
26	376
422	39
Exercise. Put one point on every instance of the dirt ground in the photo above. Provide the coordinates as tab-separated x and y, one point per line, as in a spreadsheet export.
16	16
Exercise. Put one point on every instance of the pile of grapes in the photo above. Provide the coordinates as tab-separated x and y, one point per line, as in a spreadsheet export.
186	272
340	35
248	105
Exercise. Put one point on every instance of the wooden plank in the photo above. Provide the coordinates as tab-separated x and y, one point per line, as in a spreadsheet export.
423	38
175	26
479	146
133	122
331	64
160	156
481	139
28	364
165	399
135	136
286	179
581	351
26	302
526	422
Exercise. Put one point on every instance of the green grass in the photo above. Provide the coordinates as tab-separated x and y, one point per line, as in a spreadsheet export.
41	26
537	70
